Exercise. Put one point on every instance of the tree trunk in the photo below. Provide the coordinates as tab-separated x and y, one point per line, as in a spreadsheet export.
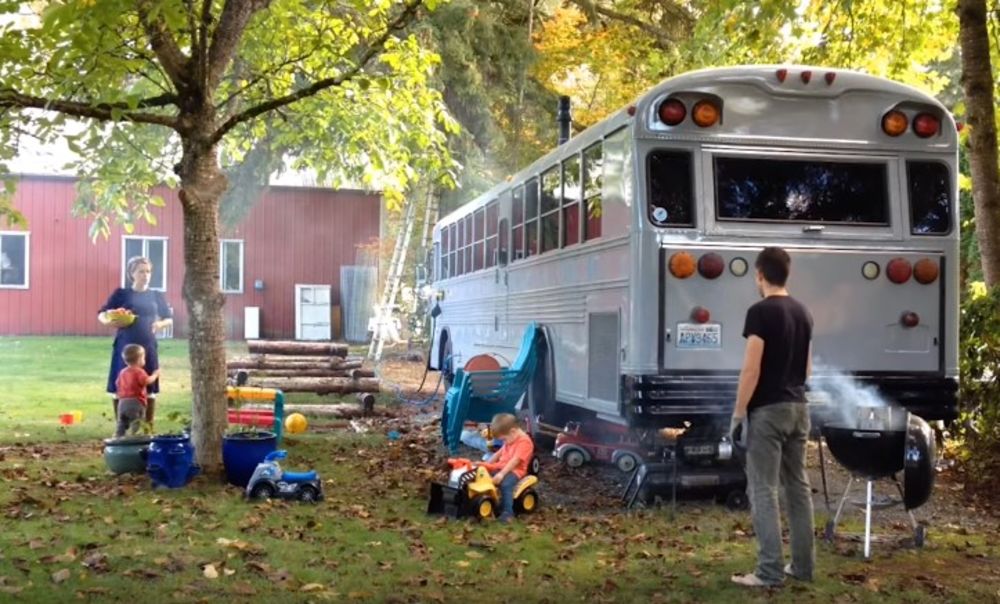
977	83
296	348
319	385
202	185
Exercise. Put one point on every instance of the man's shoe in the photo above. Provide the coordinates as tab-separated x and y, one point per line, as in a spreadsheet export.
751	580
789	573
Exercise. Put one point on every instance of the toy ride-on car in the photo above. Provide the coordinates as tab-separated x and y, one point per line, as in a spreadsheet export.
269	481
470	492
599	441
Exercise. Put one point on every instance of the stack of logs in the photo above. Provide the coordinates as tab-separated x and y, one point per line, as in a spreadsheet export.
318	367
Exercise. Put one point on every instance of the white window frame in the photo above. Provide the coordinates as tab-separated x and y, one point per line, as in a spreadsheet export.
27	258
145	252
222	265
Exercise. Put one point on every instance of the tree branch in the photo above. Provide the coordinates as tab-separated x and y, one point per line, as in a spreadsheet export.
664	37
104	112
170	56
374	48
226	37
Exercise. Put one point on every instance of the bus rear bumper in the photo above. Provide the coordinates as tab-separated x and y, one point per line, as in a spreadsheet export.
674	398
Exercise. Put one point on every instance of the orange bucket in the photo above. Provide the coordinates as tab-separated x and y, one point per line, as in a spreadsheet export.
66	419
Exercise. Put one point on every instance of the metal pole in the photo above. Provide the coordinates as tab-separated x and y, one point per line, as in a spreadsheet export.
868	522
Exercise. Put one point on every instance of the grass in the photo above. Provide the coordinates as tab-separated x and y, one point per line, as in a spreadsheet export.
71	531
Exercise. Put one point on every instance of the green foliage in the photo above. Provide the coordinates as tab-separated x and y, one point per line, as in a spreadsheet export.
979	347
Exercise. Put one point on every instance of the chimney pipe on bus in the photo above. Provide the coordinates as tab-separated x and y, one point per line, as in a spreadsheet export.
565	119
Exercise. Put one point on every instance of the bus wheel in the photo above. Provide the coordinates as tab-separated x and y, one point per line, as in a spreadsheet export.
447	363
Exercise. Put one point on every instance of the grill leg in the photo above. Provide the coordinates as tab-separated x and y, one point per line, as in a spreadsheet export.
843	499
868	522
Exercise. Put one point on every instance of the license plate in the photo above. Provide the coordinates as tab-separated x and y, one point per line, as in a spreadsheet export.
699	335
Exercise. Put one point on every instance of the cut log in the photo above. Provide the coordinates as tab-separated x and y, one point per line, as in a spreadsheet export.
297	348
307	372
340	410
367	402
271	362
318	385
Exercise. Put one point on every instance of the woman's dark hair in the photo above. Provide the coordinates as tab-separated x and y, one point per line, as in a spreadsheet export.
774	263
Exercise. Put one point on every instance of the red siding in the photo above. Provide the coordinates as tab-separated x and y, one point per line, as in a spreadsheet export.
293	235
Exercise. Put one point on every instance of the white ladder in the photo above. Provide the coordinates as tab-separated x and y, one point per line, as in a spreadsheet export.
383	324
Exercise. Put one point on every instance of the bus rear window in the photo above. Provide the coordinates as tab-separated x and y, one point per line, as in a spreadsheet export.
930	197
670	191
801	191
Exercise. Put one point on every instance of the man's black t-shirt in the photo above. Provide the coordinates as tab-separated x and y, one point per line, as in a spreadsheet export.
786	328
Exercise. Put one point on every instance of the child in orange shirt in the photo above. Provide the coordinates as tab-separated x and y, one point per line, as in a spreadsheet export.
510	464
131	385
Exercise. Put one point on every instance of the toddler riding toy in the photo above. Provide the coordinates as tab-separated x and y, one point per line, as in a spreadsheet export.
470	492
269	480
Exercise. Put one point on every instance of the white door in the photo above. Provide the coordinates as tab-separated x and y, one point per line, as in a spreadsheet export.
312	312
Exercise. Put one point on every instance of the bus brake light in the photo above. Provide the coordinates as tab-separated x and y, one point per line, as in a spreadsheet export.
830	77
672	112
894	123
909	319
781	74
925	271
925	125
806	76
705	113
682	265
899	270
711	265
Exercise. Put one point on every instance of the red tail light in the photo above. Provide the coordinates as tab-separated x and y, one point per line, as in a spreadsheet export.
781	74
926	125
806	76
909	319
829	77
711	265
672	112
894	123
925	271
700	314
899	270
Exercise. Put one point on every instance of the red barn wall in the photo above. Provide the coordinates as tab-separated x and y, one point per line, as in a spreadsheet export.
293	235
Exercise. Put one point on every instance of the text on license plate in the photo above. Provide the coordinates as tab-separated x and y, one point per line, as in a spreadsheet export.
699	335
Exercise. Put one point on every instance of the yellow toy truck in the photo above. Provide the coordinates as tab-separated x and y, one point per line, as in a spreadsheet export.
470	492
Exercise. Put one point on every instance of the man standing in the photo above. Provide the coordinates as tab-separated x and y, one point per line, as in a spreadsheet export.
772	419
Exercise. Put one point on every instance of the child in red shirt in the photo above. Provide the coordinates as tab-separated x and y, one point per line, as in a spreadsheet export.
131	385
510	464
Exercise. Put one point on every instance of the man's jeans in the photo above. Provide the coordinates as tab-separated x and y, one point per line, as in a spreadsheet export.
776	453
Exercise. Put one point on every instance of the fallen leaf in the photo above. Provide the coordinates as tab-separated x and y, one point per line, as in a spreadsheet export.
473	554
462	563
60	575
312	587
210	572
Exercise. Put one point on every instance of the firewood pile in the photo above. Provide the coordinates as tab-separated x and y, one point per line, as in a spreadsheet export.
318	367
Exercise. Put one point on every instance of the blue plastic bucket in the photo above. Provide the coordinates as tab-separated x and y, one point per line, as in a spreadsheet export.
242	451
170	462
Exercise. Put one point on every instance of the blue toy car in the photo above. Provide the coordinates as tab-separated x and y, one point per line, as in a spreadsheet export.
269	481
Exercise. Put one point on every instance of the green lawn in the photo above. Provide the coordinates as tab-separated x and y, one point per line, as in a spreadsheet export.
69	531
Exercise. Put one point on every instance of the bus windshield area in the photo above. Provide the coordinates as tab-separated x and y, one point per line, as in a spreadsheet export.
769	189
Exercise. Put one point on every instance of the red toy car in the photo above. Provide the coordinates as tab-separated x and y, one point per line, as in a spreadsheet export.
599	441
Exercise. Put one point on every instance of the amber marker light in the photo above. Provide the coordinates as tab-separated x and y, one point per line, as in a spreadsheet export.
682	265
925	271
705	114
894	123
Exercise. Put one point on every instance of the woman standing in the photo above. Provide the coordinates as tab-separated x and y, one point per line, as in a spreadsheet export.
151	314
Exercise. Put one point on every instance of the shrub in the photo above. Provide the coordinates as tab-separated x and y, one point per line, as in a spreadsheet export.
979	374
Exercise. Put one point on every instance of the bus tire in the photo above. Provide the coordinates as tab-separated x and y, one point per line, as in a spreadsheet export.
446	364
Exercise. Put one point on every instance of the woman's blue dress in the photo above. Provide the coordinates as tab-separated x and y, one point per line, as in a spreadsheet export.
147	306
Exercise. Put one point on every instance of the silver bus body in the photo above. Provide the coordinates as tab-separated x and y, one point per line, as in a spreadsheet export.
621	339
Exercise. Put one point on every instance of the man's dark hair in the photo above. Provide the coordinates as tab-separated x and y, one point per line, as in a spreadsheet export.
774	263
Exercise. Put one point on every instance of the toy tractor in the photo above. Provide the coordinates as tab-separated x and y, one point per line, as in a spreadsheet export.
269	481
470	492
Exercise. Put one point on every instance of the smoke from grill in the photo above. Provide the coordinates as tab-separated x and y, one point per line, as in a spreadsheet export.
842	400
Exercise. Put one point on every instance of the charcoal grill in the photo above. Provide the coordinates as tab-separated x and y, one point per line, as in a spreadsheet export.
880	443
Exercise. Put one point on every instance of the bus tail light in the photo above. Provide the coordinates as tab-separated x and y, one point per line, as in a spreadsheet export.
894	123
909	319
781	75
870	270
682	265
705	114
738	266
926	125
700	314
925	271
899	270
672	112
711	265
806	76
830	77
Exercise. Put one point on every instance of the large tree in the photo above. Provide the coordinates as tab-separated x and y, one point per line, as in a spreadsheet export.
169	88
981	110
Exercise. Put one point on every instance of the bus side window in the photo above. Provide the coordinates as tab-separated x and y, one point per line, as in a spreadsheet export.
517	224
479	224
671	192
492	215
531	217
930	197
571	201
593	181
502	246
551	194
452	251
467	222
443	255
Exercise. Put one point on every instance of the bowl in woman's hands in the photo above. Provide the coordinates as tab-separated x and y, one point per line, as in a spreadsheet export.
121	317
